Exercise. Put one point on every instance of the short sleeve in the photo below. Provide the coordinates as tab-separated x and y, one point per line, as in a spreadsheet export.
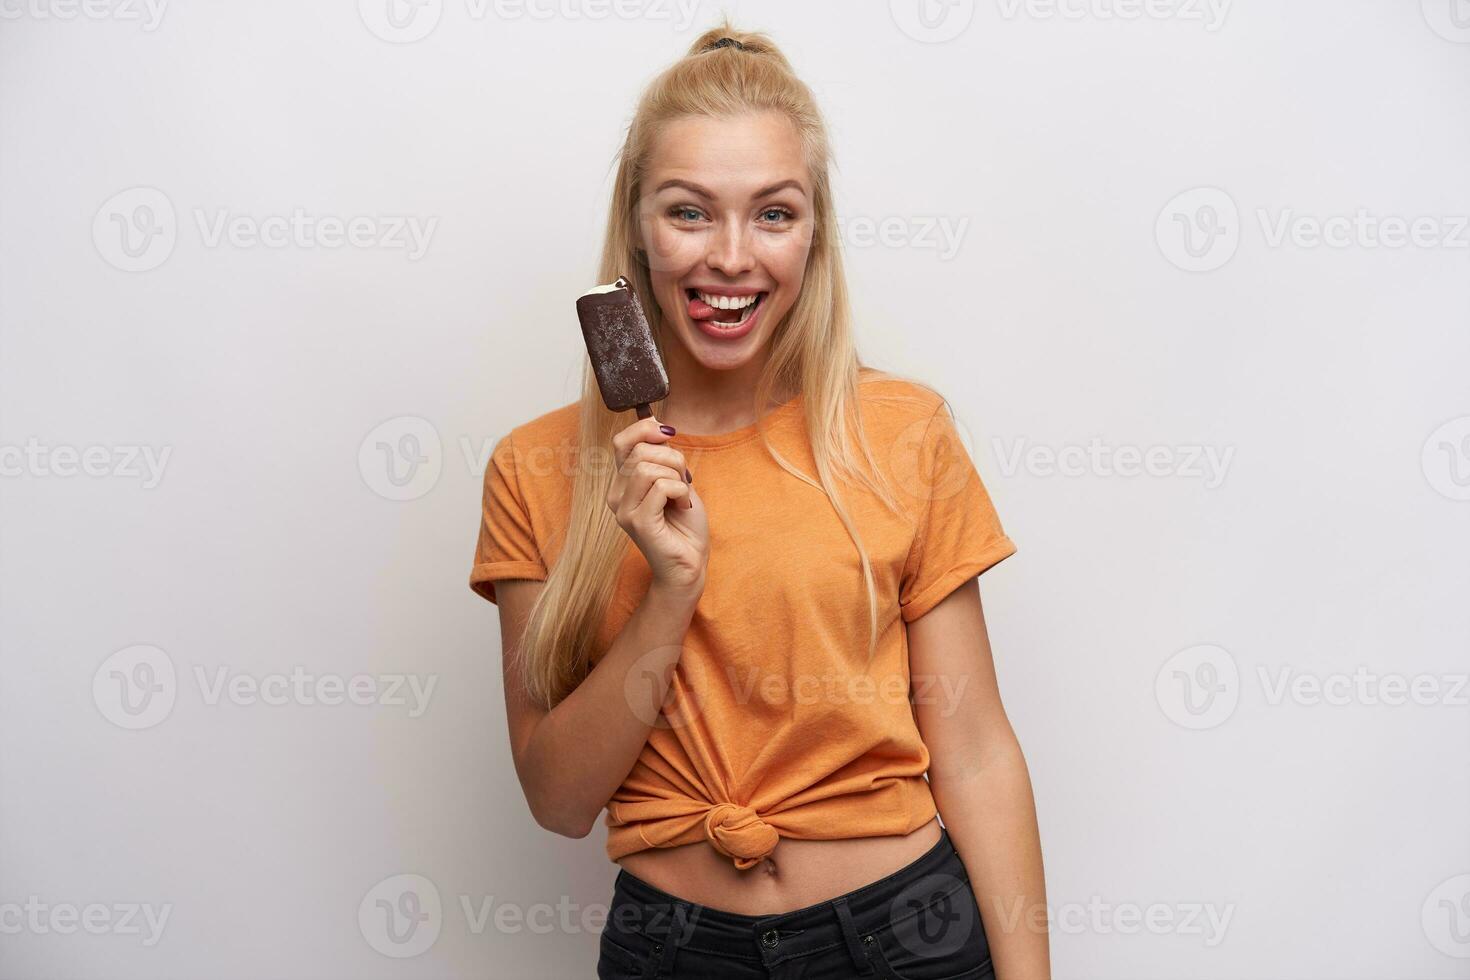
506	547
958	534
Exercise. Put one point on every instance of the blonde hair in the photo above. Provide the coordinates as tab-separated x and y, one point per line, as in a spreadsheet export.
812	352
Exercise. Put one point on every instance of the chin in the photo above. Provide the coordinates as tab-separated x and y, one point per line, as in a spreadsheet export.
719	356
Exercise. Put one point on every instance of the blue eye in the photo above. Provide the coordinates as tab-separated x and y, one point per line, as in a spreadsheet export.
772	215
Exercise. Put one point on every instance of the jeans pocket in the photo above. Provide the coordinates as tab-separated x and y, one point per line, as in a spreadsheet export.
934	932
626	955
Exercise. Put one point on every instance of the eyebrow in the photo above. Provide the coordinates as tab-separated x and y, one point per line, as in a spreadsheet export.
763	192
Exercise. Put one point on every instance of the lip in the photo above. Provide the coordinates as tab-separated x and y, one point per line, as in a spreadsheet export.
715	333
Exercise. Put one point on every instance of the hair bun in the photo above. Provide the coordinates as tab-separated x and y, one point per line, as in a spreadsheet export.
724	42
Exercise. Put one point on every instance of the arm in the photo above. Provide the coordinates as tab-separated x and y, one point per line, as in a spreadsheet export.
571	759
979	780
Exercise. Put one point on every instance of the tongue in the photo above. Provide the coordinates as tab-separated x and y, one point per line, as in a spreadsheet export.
700	310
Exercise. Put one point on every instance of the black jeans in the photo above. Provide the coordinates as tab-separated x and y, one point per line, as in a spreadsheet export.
920	923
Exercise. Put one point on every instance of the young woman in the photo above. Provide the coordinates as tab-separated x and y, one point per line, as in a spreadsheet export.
750	625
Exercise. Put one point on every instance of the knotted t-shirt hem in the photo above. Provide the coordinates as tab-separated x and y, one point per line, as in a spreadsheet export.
746	835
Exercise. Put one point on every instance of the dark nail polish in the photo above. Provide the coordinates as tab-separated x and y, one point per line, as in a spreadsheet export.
667	430
687	477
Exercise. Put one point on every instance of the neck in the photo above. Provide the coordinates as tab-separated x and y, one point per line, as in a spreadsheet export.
705	401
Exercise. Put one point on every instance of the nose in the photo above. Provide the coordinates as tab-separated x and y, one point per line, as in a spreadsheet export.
729	250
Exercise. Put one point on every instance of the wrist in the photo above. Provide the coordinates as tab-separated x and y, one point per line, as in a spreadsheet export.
677	599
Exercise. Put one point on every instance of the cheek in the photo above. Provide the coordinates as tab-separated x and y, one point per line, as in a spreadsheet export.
670	250
785	259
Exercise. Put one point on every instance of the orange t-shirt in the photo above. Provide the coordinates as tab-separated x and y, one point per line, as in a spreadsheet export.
775	724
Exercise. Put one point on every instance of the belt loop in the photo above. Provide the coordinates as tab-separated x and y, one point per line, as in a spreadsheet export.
850	935
678	934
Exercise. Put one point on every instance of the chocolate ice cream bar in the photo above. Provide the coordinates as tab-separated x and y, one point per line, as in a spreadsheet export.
629	370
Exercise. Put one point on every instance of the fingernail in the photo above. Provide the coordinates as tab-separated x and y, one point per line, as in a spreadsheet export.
687	477
667	430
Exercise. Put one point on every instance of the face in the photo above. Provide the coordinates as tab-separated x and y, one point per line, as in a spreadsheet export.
726	221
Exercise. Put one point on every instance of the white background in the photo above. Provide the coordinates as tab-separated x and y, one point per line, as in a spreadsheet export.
1053	141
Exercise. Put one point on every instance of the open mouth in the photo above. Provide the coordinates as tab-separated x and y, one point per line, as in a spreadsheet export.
727	311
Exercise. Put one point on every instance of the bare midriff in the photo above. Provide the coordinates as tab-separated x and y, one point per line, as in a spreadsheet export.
798	873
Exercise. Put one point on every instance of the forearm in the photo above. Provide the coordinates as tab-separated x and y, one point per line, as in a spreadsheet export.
581	750
990	812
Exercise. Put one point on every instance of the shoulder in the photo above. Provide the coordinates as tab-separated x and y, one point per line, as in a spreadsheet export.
547	429
892	402
540	451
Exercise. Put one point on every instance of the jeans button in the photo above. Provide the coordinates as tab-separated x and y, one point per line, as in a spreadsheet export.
770	939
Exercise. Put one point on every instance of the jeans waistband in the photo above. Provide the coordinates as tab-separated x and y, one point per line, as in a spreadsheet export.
834	923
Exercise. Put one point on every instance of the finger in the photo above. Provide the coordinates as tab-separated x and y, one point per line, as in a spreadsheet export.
661	454
641	480
642	474
663	490
643	430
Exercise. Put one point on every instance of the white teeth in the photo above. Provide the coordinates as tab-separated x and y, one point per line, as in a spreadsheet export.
731	326
726	302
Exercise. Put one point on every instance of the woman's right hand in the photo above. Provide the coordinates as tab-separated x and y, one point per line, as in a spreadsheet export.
659	510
